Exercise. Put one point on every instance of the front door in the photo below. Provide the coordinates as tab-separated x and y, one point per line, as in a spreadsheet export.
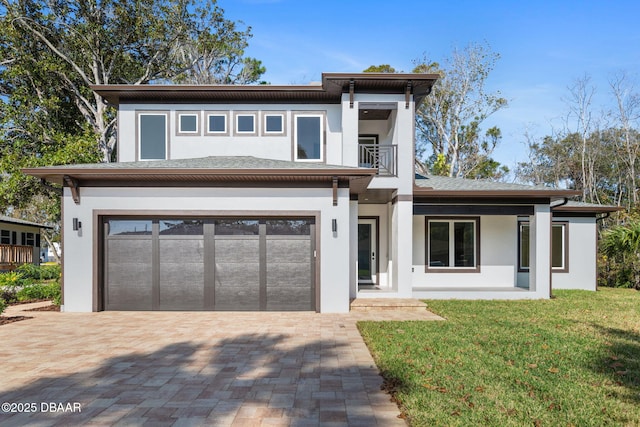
367	250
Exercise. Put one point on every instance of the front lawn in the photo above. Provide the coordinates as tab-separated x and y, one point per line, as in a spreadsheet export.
570	361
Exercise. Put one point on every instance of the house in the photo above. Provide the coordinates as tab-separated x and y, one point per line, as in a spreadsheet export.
300	198
19	242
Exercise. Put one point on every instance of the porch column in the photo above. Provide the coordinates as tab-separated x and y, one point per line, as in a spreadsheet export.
540	251
353	248
402	247
349	132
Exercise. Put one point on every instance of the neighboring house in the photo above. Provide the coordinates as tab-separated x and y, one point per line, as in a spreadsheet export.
300	198
19	242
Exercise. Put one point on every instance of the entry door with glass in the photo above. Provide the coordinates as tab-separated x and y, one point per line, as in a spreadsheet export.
367	251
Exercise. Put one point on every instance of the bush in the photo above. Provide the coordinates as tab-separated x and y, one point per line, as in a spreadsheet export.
12	279
9	294
43	272
50	291
48	272
3	305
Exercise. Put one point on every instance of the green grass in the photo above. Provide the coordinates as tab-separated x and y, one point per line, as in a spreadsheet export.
570	361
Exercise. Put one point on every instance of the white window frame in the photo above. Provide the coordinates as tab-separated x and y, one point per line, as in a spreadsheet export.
236	118
282	115
179	131
139	115
295	136
452	267
564	268
223	114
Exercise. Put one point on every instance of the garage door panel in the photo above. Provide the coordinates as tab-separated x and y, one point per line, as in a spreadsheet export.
288	250
237	250
288	274
237	286
289	298
129	275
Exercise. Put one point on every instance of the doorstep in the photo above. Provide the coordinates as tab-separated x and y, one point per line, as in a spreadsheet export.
405	304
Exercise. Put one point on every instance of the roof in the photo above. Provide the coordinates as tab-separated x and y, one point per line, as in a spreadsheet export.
330	91
10	220
433	185
244	169
575	206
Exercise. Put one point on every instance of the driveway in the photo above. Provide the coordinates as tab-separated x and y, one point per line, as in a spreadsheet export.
193	368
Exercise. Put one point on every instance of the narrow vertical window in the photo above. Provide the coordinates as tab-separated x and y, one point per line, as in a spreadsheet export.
308	137
559	250
152	130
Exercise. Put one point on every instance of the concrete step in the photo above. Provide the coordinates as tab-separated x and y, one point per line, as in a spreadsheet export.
404	304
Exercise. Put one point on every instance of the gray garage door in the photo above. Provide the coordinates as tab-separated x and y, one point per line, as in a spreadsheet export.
209	264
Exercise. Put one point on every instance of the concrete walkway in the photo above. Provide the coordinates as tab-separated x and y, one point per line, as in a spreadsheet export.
186	368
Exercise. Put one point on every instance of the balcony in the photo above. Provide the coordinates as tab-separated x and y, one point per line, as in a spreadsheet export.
12	256
381	157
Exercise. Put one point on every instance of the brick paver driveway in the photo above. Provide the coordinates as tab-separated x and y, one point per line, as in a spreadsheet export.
178	368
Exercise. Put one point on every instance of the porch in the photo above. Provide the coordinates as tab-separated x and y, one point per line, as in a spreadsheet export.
12	256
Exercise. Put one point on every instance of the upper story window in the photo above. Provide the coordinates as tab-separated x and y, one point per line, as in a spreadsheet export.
273	124
453	244
309	131
152	136
245	124
188	123
217	123
559	251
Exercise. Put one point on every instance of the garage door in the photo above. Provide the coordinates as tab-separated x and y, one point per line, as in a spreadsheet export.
252	264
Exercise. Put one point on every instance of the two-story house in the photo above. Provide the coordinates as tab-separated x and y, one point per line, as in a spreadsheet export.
299	198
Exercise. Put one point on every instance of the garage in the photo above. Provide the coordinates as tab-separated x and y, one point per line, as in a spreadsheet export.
197	263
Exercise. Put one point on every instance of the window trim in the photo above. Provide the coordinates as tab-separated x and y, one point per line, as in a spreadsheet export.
7	236
453	269
138	130
565	247
179	131
209	132
238	114
263	120
323	141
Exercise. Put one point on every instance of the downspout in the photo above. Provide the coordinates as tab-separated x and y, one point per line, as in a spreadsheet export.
564	202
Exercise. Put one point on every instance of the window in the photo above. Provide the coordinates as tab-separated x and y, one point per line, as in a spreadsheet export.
559	233
217	124
152	136
188	123
308	137
453	244
5	237
246	124
28	239
273	123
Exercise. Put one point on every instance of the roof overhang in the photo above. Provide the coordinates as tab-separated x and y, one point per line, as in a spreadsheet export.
554	194
587	209
329	92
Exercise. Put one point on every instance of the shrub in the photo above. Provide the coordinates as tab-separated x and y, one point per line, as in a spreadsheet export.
29	271
12	279
49	291
48	272
9	294
3	305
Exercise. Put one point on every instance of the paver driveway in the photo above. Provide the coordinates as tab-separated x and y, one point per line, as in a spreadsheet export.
178	368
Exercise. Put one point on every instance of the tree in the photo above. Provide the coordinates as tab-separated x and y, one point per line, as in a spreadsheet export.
119	41
450	118
382	68
621	245
52	51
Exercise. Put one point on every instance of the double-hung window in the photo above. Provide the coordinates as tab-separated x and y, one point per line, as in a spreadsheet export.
5	237
453	244
152	136
559	246
309	131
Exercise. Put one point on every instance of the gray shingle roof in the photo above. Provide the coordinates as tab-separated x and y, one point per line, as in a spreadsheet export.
212	162
445	183
10	220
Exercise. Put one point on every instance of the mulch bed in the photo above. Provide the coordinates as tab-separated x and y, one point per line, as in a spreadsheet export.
11	319
51	307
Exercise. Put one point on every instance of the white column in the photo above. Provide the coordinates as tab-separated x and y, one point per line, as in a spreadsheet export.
353	248
349	132
402	247
540	251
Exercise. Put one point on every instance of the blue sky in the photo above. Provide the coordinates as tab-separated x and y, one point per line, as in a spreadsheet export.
544	46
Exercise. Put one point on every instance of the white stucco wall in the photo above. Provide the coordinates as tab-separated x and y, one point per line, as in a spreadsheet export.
260	145
582	249
498	256
80	248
